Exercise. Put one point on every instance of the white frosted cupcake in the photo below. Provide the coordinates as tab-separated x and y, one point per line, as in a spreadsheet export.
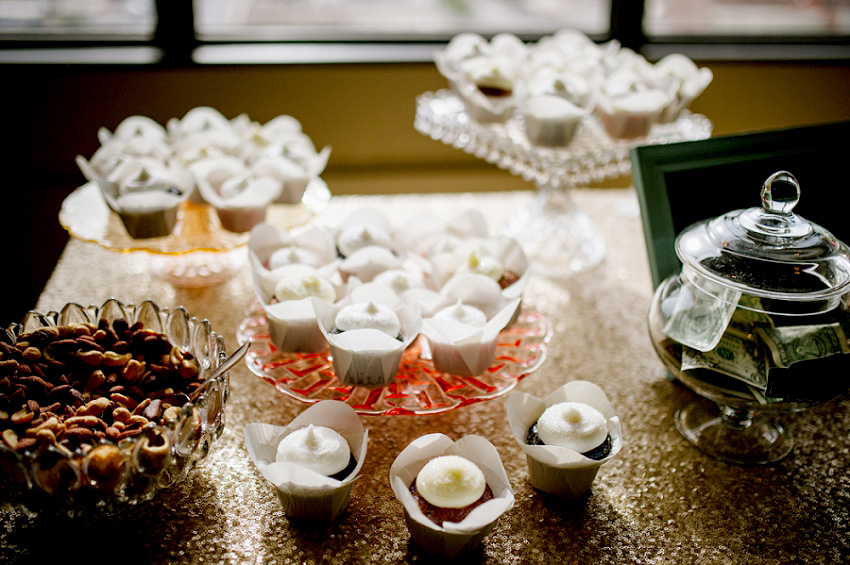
453	493
367	338
566	437
550	120
290	309
293	170
487	90
270	247
145	195
133	127
680	75
631	115
368	262
500	258
313	461
240	200
463	338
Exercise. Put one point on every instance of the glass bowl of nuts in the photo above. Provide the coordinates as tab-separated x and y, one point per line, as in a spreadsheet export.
103	407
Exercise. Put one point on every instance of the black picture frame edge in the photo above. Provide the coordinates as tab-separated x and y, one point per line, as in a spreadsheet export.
652	163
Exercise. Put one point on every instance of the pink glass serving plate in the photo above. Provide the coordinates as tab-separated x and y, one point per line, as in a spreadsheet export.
418	388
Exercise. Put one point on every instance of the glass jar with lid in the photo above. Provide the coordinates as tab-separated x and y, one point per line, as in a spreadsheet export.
757	322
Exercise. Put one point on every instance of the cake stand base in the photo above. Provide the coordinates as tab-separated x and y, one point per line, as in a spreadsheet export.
198	268
558	237
735	435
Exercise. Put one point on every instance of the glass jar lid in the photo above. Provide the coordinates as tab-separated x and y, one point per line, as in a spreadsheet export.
769	251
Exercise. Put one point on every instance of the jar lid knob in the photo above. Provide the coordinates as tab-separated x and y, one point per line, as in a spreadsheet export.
780	193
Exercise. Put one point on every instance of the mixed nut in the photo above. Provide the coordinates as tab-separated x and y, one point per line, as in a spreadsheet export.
76	392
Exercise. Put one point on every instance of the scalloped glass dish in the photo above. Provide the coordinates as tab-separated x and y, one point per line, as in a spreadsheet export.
74	482
199	252
417	388
592	156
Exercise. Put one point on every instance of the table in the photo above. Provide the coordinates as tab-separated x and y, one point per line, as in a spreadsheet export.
659	501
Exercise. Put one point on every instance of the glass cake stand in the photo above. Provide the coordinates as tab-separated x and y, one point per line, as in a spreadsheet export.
555	232
198	252
418	388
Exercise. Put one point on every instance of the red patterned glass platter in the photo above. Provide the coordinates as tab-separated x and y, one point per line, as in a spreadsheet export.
417	388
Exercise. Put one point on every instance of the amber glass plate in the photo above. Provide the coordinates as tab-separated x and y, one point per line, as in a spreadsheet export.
199	252
417	388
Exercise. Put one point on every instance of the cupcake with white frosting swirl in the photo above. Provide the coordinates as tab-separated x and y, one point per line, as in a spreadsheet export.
368	335
566	437
290	311
453	492
460	343
318	448
313	461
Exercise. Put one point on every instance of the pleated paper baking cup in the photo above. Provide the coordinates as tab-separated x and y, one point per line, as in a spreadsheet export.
451	538
554	469
303	493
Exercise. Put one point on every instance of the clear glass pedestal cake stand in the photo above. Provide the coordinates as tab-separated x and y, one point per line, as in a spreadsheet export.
556	234
198	252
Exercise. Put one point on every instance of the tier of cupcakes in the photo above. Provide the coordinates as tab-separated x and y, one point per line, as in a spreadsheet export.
146	170
552	85
367	289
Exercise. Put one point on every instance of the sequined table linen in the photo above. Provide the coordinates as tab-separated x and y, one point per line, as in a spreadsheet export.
659	501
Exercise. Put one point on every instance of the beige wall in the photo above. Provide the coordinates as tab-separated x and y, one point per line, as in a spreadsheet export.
365	112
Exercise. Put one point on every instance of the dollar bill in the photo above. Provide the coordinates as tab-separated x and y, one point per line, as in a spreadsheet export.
791	344
700	315
749	313
734	356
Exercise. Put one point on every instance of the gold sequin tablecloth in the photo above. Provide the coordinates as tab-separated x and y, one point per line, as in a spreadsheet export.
659	501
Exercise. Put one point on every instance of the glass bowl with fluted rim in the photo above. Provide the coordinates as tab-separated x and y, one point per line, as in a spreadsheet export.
107	437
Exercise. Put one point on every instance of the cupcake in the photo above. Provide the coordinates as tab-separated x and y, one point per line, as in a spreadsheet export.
678	74
629	104
145	195
368	262
133	127
199	120
551	121
461	47
487	89
463	338
240	199
566	437
292	169
287	270
270	247
313	461
452	492
631	115
367	337
364	227
500	258
290	310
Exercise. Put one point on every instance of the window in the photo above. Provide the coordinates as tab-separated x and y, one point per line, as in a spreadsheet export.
765	18
394	19
77	19
257	31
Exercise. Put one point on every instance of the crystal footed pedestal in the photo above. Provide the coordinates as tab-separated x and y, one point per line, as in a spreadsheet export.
557	235
736	435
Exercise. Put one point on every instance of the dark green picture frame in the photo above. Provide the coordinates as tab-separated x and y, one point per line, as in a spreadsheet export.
679	184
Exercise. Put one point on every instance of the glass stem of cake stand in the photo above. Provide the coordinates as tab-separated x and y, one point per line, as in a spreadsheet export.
733	434
557	236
